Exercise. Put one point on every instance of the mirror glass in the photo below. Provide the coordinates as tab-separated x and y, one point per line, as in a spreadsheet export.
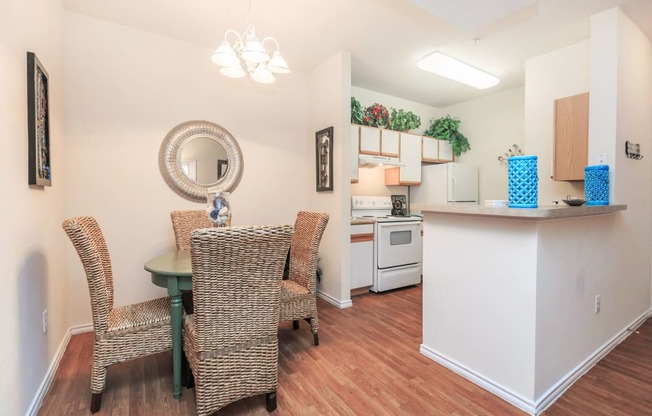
203	160
198	157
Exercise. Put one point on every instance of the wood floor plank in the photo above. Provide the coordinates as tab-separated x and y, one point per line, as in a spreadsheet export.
368	363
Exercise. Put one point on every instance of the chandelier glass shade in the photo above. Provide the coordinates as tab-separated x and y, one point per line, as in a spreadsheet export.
249	55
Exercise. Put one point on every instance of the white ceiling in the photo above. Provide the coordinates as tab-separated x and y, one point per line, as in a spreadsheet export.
386	38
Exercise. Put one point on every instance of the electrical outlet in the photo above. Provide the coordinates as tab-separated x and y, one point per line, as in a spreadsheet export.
45	321
597	304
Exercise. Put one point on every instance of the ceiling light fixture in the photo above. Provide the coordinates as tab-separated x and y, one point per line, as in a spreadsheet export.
248	50
451	68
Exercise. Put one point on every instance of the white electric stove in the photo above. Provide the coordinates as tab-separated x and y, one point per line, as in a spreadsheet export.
397	243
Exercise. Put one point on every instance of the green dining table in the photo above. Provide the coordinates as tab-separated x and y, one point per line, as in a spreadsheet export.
173	271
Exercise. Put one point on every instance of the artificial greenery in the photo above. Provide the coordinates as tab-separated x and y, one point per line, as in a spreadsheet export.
376	115
403	120
446	128
357	112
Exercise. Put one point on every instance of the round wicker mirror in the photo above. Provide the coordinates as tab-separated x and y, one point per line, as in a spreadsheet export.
180	174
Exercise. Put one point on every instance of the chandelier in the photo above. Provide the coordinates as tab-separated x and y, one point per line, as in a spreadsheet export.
248	55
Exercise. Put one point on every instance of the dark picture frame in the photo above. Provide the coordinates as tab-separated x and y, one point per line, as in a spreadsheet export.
324	155
38	118
222	166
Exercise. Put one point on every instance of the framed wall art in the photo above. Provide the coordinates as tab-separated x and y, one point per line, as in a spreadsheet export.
222	166
38	118
324	151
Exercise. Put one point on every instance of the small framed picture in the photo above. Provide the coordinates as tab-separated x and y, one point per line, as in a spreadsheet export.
38	118
222	166
324	153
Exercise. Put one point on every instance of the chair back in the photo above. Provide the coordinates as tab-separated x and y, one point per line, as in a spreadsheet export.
185	222
87	238
236	278
308	230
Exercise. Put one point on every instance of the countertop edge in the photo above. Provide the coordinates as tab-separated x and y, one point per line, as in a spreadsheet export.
552	212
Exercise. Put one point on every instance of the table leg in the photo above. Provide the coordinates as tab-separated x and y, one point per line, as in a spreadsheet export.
176	313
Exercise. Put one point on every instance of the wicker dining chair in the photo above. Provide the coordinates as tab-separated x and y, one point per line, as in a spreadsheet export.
231	340
121	333
299	291
184	222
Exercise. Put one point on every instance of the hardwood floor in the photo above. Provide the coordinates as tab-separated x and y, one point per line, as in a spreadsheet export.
368	363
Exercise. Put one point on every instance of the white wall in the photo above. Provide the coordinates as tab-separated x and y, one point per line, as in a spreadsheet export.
493	124
371	182
631	83
329	105
620	105
559	74
125	90
32	243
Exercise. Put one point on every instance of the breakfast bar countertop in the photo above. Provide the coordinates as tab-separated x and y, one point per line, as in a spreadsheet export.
551	212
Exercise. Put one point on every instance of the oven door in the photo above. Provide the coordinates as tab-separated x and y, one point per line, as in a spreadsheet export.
398	243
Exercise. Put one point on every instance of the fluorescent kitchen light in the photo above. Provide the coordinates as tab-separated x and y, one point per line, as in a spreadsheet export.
450	68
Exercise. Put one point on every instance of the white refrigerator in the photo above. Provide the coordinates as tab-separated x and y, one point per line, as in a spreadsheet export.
448	183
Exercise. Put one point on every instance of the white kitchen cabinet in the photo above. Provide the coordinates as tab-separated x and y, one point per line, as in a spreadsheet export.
390	142
445	151
355	145
375	141
362	255
410	172
369	140
429	149
436	151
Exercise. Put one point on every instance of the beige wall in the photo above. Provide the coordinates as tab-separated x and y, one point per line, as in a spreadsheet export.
493	124
620	58
32	243
330	91
559	74
125	90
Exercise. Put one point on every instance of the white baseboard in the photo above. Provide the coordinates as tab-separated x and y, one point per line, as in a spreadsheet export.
555	392
549	397
335	302
34	407
495	388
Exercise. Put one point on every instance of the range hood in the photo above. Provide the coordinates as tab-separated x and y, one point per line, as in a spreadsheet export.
373	161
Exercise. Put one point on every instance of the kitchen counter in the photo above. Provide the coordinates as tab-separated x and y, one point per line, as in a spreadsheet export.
551	212
358	221
512	296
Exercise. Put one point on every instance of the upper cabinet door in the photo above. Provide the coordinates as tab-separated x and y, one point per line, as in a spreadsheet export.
429	149
390	143
411	159
571	148
445	153
436	151
410	171
355	145
369	140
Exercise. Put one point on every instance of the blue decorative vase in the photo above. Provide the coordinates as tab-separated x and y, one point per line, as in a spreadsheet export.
523	182
596	185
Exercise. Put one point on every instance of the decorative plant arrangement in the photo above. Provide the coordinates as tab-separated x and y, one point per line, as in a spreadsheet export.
376	115
403	121
446	128
512	151
357	112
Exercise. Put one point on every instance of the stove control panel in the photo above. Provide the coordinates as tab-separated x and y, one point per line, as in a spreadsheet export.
371	202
